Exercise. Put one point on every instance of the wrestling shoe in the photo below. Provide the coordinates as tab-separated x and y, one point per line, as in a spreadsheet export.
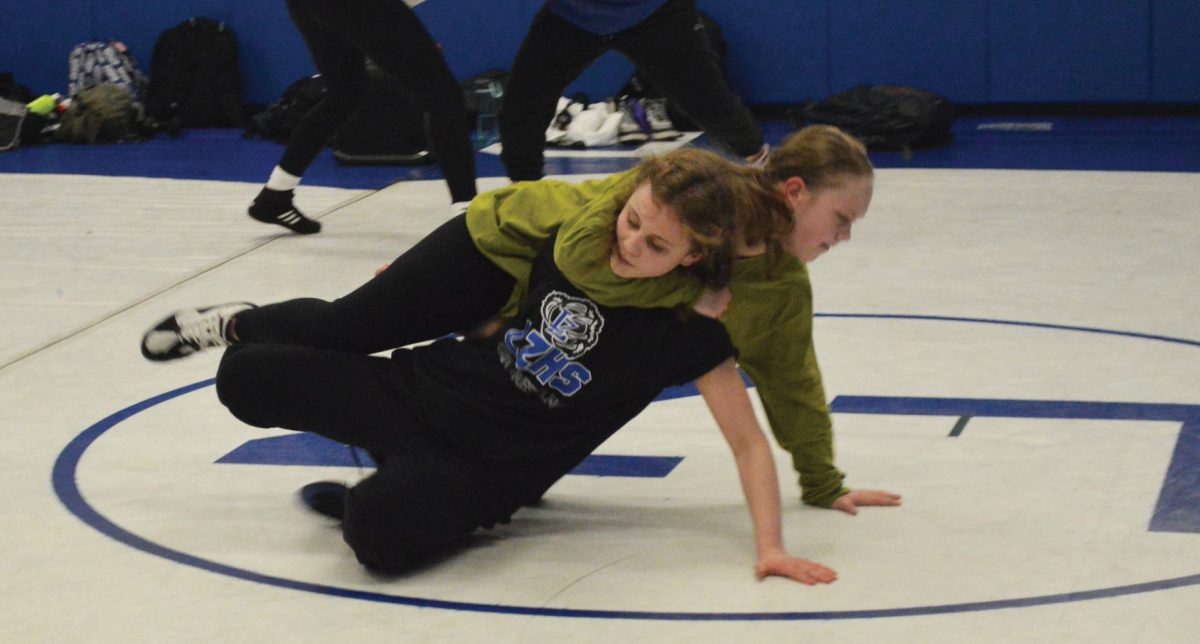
189	331
631	128
326	497
661	127
276	207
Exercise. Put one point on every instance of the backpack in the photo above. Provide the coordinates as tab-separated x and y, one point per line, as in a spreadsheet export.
14	91
195	80
12	118
102	113
884	117
96	62
281	118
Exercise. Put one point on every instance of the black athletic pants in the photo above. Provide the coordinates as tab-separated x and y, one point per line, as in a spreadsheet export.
669	49
423	498
340	34
441	285
303	365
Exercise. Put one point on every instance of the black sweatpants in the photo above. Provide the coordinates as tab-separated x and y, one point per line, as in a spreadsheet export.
340	34
423	498
669	48
441	285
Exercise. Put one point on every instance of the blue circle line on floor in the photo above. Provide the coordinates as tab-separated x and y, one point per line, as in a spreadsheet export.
67	489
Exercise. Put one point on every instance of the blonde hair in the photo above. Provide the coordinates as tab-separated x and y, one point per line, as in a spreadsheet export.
823	155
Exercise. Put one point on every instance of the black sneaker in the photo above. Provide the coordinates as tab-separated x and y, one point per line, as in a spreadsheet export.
275	207
189	331
326	497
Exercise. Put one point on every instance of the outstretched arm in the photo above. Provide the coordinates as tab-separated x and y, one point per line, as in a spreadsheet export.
729	403
770	322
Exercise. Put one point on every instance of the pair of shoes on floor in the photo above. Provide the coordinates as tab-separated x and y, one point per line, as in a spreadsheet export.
645	120
595	126
276	207
189	331
326	497
564	114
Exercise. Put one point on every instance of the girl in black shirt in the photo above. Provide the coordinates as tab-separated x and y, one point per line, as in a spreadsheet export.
465	432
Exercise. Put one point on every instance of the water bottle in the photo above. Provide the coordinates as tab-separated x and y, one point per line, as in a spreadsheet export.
487	126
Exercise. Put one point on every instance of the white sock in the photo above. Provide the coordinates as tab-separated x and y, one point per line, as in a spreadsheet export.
282	180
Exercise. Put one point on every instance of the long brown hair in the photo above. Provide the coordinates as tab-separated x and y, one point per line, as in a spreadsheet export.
700	188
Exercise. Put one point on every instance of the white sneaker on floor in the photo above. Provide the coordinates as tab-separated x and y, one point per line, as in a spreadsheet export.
189	331
661	127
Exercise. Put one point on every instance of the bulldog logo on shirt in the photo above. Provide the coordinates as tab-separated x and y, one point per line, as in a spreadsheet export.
570	328
571	323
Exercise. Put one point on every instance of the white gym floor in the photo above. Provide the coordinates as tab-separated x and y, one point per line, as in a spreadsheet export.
1017	352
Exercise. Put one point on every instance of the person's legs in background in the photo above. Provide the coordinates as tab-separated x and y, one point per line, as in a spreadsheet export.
340	35
395	39
343	67
553	53
671	49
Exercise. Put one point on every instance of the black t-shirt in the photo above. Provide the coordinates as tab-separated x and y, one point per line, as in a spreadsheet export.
564	376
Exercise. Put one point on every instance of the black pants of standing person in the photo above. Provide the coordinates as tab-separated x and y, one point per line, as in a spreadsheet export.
424	498
441	285
341	34
669	48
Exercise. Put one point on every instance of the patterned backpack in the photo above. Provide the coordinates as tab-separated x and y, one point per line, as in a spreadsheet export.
97	62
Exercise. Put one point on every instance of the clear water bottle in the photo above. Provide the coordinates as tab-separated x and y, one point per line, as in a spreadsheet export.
487	125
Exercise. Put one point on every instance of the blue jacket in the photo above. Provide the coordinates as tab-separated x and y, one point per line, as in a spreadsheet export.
604	17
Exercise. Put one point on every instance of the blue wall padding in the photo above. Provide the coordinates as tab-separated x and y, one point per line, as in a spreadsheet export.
1175	54
781	51
1070	50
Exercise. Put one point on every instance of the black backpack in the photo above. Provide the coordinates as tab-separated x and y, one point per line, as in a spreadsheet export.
195	80
884	117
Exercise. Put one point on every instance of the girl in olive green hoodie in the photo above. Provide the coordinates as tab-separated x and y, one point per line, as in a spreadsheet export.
826	180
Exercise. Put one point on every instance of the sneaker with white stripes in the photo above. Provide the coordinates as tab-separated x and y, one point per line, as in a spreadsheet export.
275	207
189	331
